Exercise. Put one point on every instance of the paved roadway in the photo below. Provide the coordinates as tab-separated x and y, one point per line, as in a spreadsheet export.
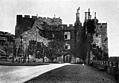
20	74
53	73
73	74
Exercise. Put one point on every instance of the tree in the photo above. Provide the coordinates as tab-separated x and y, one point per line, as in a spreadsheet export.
39	50
55	49
32	47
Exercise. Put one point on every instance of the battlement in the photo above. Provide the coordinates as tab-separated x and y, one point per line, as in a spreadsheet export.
25	22
26	17
102	25
51	21
70	25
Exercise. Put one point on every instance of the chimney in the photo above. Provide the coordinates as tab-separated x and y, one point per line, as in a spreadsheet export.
78	14
95	15
86	16
89	10
78	17
89	16
96	20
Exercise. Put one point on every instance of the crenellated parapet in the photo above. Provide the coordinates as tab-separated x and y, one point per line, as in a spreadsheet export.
23	23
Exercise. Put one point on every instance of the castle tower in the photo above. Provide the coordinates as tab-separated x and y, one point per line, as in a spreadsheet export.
95	18
78	17
87	15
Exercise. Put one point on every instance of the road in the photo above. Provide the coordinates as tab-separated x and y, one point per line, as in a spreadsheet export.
20	74
73	74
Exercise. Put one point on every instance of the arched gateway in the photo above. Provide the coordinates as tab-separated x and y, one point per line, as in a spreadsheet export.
67	58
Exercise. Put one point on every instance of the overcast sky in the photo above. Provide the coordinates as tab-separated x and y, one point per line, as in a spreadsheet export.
107	11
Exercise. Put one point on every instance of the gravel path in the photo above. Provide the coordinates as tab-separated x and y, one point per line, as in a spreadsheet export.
73	74
20	74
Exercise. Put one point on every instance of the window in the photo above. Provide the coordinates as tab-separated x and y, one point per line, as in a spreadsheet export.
67	46
67	35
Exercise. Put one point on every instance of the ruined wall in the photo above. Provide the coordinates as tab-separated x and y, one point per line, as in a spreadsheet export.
24	23
51	21
102	30
100	41
27	36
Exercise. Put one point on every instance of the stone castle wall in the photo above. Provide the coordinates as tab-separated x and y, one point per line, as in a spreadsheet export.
24	23
102	31
32	27
43	30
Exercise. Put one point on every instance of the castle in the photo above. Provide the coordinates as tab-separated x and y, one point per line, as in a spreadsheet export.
87	41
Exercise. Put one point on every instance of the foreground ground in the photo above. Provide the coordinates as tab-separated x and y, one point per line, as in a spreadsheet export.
20	74
73	74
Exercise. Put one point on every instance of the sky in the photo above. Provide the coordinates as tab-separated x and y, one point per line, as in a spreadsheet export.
107	11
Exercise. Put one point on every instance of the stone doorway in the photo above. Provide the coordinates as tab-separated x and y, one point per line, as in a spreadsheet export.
67	58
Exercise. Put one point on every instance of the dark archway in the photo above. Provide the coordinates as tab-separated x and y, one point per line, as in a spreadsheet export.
67	58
